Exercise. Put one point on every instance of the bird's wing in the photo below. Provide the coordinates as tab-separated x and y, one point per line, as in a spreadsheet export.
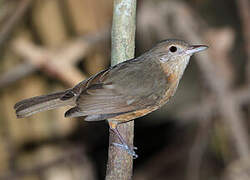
123	88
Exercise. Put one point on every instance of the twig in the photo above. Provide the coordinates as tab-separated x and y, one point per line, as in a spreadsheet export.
120	163
58	65
243	9
217	82
16	73
49	61
197	150
209	107
13	20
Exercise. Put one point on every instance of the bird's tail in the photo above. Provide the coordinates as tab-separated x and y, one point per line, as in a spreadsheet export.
36	104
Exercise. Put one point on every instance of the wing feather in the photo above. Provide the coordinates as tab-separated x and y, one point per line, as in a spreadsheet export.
117	90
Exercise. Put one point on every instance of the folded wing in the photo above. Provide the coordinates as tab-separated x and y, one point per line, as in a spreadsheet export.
118	90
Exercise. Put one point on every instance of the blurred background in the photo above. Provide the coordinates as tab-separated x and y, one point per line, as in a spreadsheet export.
50	45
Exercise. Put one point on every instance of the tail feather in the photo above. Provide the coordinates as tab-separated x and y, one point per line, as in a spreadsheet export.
36	104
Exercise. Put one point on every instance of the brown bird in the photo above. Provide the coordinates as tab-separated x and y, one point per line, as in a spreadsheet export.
124	91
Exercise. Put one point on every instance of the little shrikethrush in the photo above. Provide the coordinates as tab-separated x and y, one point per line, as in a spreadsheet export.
124	91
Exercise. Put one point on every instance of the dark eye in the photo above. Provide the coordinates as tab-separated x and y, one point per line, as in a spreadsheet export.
173	49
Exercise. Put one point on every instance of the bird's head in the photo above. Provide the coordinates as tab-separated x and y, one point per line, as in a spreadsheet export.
175	54
171	49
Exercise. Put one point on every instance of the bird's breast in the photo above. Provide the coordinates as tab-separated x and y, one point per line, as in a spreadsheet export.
170	91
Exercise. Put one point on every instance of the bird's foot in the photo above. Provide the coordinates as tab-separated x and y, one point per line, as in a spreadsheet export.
128	149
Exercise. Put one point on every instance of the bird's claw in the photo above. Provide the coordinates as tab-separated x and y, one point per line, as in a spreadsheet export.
128	149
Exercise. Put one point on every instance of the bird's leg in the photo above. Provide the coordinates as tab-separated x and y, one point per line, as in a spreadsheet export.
123	145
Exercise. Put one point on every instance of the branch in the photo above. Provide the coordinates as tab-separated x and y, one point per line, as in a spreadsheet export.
217	82
49	61
209	107
198	149
120	163
13	20
243	9
57	64
16	73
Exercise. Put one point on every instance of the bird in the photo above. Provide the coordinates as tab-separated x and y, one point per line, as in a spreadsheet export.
123	92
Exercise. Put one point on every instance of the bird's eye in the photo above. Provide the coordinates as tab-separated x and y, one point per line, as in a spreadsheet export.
173	49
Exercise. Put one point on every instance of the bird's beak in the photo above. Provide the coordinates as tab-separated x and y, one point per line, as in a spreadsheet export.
196	48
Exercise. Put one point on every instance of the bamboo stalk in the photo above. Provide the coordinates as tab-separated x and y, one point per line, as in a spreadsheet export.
120	163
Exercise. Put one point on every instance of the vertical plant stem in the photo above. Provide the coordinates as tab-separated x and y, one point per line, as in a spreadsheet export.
120	163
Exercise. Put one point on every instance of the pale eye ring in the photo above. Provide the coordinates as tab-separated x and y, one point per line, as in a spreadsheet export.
172	49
